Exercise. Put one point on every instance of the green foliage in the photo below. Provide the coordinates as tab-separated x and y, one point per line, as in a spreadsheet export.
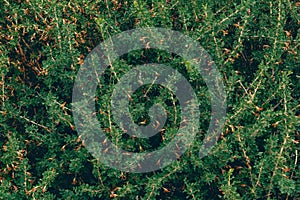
255	45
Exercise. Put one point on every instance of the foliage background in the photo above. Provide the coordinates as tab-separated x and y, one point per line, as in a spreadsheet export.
255	45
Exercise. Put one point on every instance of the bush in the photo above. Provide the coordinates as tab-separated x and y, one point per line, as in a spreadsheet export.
255	45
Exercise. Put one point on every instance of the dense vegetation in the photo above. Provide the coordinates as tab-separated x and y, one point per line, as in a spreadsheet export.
255	45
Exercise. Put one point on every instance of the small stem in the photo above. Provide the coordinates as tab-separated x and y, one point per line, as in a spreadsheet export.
3	89
37	124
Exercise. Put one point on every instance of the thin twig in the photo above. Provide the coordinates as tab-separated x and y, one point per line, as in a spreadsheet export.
37	124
